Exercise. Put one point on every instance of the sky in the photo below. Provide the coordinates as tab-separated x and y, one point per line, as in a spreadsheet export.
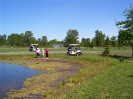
53	18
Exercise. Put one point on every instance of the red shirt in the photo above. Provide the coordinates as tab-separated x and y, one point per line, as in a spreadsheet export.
46	50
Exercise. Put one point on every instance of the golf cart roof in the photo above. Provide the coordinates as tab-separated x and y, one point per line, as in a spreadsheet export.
34	44
74	44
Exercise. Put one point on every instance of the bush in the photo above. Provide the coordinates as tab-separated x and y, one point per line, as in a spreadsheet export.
106	52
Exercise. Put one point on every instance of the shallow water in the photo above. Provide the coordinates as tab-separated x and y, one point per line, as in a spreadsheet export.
12	77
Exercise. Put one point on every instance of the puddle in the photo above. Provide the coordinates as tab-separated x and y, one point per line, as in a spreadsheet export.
12	77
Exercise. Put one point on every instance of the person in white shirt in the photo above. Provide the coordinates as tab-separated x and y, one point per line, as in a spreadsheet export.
38	52
42	53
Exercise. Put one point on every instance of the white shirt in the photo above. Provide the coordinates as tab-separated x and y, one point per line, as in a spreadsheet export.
38	51
42	51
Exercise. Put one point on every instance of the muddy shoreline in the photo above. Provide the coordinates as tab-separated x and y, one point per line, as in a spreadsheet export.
53	74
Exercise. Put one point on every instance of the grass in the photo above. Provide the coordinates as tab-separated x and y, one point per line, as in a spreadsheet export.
114	82
102	77
99	78
84	49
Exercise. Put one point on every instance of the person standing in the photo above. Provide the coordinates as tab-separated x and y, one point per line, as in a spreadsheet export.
38	52
42	53
46	53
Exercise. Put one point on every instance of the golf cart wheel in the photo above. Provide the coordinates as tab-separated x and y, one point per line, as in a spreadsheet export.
78	54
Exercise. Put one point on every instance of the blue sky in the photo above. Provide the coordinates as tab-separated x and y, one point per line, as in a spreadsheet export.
53	18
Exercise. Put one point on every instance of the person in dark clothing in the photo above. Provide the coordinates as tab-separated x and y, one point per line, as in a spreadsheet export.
46	53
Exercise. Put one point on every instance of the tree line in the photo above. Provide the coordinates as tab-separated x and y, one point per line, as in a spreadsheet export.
124	37
27	38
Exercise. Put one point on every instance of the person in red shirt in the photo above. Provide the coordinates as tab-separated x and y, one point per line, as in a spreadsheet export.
46	53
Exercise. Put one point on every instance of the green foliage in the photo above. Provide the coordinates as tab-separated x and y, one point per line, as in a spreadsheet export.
3	39
20	39
93	42
107	43
114	42
72	37
125	36
99	36
85	42
52	42
48	94
27	37
44	40
106	52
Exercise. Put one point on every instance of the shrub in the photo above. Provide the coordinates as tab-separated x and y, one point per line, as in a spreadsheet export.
106	52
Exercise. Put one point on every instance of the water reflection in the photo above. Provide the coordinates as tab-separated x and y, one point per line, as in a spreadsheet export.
12	77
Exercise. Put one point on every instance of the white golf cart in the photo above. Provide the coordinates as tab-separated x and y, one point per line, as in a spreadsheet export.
32	47
74	50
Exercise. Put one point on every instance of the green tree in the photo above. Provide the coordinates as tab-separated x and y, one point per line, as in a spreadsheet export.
126	27
72	37
32	40
122	35
113	41
3	39
14	39
53	42
27	36
44	40
22	39
39	41
107	44
85	42
93	42
100	38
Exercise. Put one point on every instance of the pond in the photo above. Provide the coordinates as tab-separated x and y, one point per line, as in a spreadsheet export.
12	77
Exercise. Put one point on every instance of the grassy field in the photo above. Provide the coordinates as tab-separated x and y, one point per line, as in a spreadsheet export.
111	79
7	49
99	78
